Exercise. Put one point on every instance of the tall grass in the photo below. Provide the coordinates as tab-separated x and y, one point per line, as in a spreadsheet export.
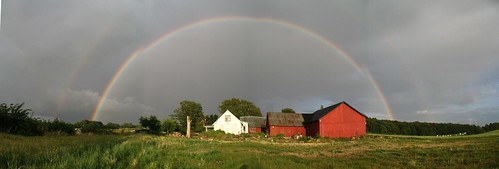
146	151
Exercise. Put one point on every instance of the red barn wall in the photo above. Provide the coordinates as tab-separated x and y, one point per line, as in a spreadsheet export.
255	130
288	131
342	122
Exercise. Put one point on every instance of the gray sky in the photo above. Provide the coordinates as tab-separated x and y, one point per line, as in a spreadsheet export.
433	60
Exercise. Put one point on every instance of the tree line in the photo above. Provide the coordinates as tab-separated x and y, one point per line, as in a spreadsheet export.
15	119
423	128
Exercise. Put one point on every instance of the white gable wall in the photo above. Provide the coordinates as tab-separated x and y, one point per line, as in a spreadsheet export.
230	124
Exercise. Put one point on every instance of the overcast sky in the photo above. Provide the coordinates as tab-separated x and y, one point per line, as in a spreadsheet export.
434	61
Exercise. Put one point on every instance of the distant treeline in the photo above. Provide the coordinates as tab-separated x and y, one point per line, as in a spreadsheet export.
423	128
15	119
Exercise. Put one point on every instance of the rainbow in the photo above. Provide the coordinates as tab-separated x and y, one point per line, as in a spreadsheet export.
79	68
193	25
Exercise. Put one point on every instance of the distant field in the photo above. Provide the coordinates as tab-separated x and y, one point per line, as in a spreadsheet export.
146	151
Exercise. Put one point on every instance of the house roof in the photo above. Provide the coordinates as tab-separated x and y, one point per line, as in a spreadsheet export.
284	119
322	112
254	121
222	117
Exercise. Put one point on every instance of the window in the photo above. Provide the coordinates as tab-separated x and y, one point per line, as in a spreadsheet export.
227	118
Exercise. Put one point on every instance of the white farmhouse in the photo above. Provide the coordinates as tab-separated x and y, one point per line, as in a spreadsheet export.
230	124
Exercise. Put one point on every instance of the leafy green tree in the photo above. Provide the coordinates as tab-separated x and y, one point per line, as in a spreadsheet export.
419	128
152	124
288	110
87	126
127	125
59	126
491	127
239	107
170	126
112	126
15	119
189	112
210	119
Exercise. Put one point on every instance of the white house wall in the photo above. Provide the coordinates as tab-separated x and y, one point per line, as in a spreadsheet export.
229	123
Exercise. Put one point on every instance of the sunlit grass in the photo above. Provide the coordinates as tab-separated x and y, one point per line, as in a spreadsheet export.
147	151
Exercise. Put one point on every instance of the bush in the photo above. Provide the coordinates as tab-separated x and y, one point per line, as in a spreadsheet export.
127	125
216	134
317	136
152	124
59	127
305	139
261	134
95	127
170	126
281	135
112	126
245	135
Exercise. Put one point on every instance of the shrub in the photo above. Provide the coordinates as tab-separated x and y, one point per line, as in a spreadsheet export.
152	123
59	127
87	126
245	135
305	139
170	126
216	134
281	135
317	136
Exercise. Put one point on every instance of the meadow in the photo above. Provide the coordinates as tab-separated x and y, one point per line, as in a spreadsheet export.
248	151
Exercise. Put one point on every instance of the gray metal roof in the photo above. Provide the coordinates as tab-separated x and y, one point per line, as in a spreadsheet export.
254	121
285	119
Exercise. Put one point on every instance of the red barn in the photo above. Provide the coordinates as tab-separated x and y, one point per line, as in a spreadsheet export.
289	124
339	120
255	124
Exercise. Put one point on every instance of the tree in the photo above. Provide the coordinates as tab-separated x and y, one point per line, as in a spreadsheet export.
87	126
189	112
127	125
210	119
170	126
152	124
59	126
15	119
239	107
491	127
288	110
112	126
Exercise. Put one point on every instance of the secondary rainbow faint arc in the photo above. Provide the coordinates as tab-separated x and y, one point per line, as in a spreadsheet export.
192	25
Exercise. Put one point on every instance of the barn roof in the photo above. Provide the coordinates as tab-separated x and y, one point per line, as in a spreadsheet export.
307	117
322	112
285	119
254	121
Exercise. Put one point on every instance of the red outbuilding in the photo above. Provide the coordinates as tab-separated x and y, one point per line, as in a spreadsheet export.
256	124
289	124
339	120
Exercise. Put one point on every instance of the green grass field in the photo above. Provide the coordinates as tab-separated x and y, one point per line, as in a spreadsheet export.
147	151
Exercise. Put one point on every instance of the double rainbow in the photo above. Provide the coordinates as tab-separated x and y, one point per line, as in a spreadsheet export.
222	20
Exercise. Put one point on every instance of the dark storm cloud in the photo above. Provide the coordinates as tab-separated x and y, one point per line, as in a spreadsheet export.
434	61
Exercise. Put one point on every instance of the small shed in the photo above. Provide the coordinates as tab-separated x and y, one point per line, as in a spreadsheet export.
229	123
339	120
255	123
289	124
